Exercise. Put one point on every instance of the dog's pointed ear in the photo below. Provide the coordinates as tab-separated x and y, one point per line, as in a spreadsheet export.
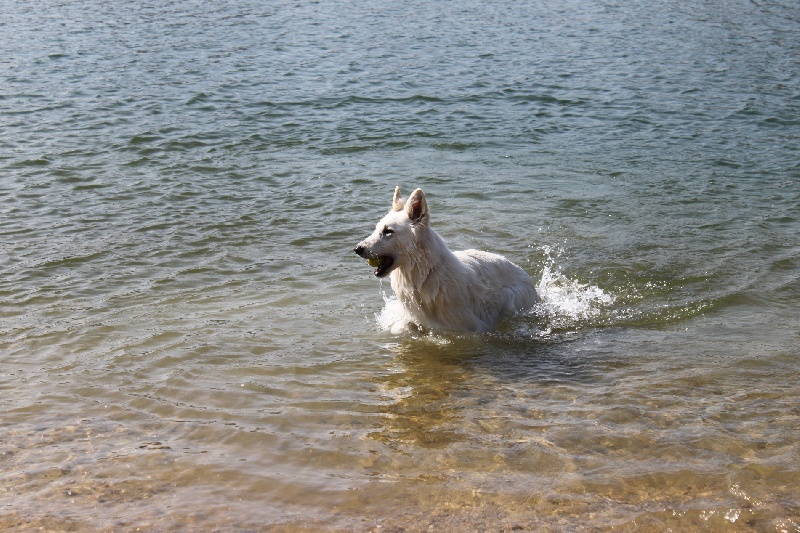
397	202
417	207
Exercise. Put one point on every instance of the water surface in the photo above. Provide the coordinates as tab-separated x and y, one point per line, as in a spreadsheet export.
187	341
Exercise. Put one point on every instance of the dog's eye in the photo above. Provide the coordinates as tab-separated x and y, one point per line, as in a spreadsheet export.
387	231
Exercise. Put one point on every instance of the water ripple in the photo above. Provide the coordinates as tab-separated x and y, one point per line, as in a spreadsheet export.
182	317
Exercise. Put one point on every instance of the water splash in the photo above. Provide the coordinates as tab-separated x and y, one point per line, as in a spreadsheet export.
392	311
565	303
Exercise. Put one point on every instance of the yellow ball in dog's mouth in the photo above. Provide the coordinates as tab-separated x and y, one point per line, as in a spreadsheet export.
375	262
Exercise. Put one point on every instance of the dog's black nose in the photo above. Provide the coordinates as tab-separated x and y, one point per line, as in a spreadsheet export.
359	250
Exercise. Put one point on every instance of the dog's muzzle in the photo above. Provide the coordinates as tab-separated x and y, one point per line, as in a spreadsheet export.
383	263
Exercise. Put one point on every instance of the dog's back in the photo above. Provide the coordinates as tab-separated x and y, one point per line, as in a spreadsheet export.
509	288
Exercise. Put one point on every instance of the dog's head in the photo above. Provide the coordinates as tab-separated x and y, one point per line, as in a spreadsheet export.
394	240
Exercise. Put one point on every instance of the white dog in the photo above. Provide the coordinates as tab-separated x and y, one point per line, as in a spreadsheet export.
468	290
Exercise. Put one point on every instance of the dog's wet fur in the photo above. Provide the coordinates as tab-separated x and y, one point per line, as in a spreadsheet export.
468	290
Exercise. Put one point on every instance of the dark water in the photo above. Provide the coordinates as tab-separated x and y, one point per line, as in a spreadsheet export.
188	343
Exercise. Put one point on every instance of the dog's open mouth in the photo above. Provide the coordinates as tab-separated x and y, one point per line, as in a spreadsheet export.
382	263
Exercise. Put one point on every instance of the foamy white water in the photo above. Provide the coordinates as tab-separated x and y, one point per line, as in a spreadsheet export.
567	303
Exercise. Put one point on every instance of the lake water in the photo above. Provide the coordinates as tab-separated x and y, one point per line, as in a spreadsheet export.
187	341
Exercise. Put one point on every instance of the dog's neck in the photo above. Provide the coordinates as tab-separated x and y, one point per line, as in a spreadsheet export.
415	281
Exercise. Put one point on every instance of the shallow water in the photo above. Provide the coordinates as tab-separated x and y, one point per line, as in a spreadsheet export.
188	342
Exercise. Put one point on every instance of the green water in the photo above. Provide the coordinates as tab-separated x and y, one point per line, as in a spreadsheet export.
187	341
